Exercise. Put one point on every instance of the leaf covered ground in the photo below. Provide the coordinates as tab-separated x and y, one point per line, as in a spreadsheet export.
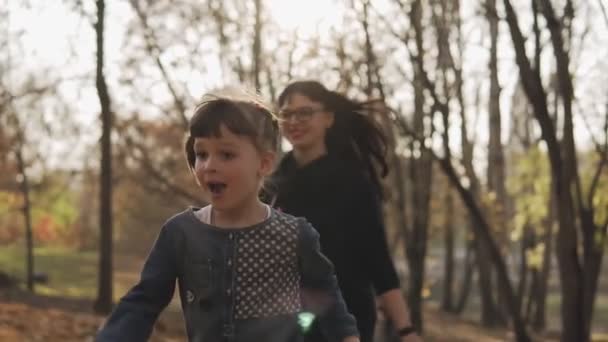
25	317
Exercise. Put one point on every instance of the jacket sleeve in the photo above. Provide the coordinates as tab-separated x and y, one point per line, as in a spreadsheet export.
367	222
133	318
321	293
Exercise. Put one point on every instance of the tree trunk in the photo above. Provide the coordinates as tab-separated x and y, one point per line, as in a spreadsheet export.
467	278
420	177
530	301
579	214
523	267
496	164
24	186
539	321
575	217
569	271
481	227
489	311
103	304
483	232
447	302
417	242
592	257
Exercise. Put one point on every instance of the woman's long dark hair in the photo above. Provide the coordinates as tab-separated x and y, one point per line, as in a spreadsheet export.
354	133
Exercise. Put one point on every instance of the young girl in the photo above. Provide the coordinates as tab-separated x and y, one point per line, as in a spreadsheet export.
242	267
331	177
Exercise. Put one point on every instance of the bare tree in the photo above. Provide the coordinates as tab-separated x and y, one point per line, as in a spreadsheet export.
579	262
27	208
154	50
447	301
447	21
17	143
103	303
481	227
496	164
496	161
420	174
14	133
17	97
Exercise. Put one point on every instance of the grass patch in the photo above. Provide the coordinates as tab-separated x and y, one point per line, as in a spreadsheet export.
71	273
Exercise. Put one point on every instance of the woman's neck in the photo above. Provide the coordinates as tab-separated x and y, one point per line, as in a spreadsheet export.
240	217
304	156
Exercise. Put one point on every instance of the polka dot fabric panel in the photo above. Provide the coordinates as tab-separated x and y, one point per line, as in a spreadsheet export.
267	275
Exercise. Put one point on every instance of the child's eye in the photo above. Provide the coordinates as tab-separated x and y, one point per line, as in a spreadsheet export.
227	155
201	155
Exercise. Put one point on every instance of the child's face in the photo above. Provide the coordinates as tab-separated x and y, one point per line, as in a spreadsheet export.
230	169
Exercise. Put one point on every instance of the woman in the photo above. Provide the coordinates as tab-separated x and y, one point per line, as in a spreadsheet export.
331	178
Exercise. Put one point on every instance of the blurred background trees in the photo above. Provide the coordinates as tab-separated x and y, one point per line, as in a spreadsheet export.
497	204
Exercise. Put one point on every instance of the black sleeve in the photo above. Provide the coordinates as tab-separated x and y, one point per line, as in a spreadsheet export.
133	318
367	223
321	293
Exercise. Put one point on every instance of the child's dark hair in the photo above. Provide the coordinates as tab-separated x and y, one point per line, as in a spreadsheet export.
245	116
353	134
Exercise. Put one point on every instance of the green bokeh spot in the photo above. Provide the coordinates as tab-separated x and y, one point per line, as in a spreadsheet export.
305	320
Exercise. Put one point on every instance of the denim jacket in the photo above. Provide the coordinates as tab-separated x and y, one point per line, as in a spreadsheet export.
242	285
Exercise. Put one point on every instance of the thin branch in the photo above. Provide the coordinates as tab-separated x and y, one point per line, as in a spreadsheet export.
402	38
154	50
536	29
604	12
602	164
291	54
596	178
596	143
401	6
7	97
534	90
79	8
156	174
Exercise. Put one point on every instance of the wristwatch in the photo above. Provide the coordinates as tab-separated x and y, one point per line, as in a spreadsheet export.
406	331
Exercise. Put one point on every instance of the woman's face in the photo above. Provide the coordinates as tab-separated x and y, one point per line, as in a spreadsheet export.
304	122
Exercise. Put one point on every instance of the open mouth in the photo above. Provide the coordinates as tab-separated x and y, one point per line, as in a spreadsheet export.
216	188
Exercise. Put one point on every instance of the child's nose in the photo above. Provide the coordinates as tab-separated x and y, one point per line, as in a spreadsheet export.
210	164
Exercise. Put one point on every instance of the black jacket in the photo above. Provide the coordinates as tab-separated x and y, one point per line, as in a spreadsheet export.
336	196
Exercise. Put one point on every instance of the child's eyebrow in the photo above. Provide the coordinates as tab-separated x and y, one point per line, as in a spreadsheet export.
228	145
197	145
225	144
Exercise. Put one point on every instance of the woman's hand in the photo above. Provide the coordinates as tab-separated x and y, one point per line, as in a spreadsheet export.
351	339
392	304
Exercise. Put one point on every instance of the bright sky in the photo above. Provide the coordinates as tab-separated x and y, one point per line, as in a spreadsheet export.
51	28
307	17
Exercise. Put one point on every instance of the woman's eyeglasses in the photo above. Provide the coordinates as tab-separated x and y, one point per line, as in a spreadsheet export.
299	114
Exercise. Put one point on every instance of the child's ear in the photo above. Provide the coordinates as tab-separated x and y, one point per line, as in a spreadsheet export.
267	163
